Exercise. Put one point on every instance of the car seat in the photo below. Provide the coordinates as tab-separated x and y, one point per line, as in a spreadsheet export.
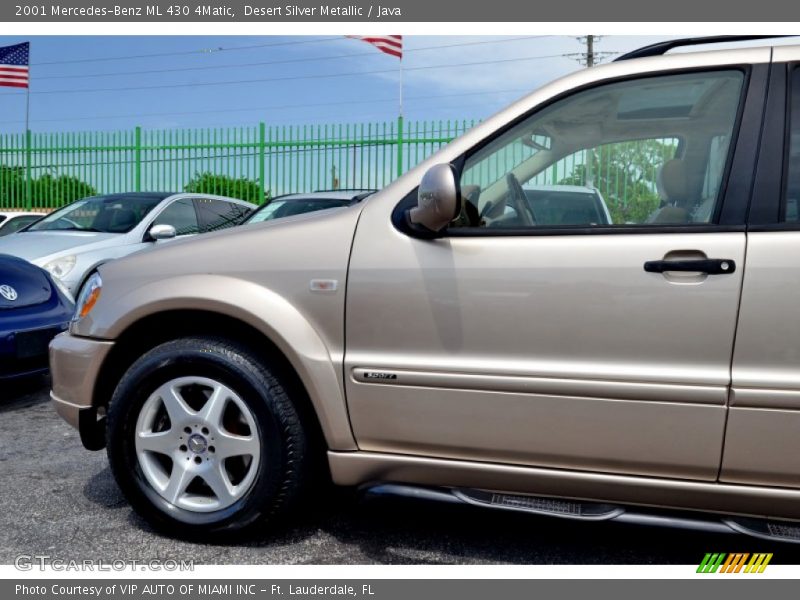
673	185
122	220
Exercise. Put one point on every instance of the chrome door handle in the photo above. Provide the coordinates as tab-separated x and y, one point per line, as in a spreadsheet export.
709	266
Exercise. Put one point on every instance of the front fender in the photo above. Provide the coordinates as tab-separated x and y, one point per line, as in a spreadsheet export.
261	308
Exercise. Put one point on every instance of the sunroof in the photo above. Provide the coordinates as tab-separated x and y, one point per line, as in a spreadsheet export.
672	98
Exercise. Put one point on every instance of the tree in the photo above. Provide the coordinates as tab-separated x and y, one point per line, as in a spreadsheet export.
45	189
625	174
61	190
223	185
12	185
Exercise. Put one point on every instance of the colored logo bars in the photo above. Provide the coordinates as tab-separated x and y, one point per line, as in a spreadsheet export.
734	563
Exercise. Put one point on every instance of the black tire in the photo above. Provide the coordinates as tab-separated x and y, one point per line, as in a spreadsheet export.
285	455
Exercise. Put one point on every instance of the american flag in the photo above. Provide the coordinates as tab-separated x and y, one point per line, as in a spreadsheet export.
14	65
390	44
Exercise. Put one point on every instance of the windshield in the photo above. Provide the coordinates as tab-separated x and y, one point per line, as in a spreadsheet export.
286	208
105	214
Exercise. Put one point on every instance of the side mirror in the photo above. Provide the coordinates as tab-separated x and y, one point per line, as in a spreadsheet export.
438	200
161	232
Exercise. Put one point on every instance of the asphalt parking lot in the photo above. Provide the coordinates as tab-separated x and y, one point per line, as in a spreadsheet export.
60	500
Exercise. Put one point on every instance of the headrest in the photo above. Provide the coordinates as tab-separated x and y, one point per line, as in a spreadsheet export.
122	219
672	179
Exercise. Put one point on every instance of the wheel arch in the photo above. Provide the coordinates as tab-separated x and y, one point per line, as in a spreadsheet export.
306	376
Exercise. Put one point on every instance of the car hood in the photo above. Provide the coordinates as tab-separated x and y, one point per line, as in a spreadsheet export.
200	243
278	257
22	284
33	245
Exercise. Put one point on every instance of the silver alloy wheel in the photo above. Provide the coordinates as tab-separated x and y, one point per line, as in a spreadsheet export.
197	444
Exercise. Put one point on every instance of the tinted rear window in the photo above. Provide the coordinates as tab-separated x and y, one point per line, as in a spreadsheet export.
218	214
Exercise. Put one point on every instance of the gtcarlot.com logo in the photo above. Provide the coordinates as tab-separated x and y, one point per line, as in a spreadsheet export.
742	562
42	562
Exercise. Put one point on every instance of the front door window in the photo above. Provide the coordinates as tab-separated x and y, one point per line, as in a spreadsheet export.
645	152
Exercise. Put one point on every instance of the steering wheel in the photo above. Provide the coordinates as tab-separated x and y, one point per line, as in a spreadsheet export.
518	200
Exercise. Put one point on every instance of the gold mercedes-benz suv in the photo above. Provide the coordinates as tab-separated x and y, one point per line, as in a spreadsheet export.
482	330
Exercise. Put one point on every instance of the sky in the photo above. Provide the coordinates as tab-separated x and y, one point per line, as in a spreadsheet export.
108	83
85	83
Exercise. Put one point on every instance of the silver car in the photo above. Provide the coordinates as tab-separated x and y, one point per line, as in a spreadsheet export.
71	243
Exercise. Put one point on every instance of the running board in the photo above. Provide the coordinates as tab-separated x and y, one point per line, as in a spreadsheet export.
783	531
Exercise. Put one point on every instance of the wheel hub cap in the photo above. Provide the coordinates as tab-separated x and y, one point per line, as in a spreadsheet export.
197	444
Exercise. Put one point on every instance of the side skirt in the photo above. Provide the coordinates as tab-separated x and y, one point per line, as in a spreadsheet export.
763	505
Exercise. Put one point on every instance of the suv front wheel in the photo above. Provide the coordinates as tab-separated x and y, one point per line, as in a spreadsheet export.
204	440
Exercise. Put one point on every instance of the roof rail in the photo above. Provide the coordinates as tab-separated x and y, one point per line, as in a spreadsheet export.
660	48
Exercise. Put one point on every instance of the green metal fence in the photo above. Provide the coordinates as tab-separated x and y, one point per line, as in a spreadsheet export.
41	171
47	170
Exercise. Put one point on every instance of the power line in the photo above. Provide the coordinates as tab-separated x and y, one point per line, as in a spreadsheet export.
215	50
282	61
290	78
287	78
273	107
198	51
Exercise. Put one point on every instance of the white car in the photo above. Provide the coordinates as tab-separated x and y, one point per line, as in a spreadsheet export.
561	205
297	204
72	242
13	221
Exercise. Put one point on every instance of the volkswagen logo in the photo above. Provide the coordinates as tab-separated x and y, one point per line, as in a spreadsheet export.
7	292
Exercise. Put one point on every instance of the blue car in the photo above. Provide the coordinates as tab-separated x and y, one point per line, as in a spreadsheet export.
33	310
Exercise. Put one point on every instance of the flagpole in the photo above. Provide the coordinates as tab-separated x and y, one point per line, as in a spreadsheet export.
392	45
401	86
28	199
28	104
400	124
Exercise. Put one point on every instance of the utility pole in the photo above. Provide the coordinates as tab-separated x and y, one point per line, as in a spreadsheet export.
589	50
589	155
589	59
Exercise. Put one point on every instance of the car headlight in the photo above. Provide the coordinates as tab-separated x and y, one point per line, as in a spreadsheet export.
62	288
90	294
60	267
